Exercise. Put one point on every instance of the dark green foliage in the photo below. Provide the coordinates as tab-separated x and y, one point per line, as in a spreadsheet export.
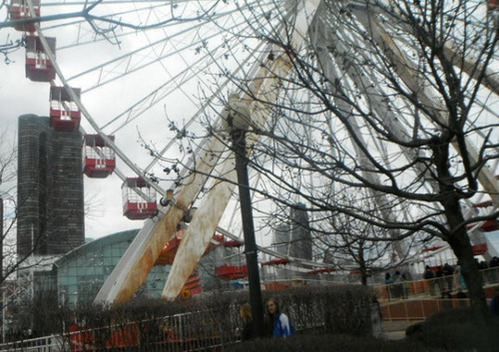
343	309
462	329
327	343
414	329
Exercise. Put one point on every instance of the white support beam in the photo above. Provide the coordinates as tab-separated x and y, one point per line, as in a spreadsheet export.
266	88
407	71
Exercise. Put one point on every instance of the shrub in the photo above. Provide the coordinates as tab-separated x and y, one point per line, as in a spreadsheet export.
342	309
460	329
326	343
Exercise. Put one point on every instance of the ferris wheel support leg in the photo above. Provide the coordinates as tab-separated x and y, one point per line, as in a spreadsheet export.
407	71
201	228
134	266
197	237
265	87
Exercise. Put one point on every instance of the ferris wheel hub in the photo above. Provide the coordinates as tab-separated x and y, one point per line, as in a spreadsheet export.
237	116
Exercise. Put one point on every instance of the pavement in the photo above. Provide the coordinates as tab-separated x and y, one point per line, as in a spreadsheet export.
395	330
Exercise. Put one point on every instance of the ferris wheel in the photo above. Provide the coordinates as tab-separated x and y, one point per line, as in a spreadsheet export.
153	83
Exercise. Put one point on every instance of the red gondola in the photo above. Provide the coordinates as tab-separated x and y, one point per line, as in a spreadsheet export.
39	67
487	226
100	160
20	10
64	113
480	249
139	199
321	271
232	272
280	261
232	243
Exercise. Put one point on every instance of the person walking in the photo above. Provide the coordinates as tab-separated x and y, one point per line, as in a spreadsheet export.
278	324
440	280
449	276
429	276
494	303
389	285
460	284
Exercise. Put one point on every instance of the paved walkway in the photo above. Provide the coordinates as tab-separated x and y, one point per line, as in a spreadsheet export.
395	330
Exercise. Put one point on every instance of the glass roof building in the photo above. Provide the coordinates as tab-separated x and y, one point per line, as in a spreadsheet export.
79	274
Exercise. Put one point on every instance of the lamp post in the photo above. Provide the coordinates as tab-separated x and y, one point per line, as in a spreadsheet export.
250	249
238	122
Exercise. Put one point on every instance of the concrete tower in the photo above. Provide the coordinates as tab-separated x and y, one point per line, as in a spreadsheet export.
50	188
301	240
282	238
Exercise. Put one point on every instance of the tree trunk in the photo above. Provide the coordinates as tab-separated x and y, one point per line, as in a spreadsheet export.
457	238
363	277
461	246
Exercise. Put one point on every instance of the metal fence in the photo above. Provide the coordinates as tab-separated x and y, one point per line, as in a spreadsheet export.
443	287
207	331
419	309
53	343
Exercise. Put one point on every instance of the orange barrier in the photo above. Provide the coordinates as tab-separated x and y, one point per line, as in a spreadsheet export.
419	309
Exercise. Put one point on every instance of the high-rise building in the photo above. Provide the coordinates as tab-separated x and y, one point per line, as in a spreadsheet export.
293	238
50	188
301	240
282	238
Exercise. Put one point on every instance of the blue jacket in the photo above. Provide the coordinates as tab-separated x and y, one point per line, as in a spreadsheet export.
494	305
282	326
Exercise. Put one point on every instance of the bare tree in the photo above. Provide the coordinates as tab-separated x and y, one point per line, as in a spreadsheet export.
348	242
96	14
389	99
8	178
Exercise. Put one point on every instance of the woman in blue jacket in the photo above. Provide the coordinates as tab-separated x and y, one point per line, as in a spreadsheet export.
278	323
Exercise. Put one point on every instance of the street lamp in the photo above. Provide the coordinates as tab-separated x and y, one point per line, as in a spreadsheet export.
237	123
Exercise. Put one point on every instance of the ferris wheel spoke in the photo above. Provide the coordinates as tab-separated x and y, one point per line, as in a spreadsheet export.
134	60
159	94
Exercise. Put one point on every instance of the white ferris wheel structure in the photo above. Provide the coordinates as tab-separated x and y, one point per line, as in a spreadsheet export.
152	84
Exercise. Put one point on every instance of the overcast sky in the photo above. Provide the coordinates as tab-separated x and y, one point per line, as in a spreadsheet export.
80	54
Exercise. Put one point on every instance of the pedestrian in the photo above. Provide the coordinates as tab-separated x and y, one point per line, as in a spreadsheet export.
449	276
388	279
278	324
440	280
389	286
248	330
459	277
429	276
406	285
398	287
494	303
376	318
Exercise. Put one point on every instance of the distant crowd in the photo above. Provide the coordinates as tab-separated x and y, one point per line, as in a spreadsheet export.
447	278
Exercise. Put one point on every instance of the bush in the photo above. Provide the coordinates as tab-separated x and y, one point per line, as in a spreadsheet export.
326	343
460	329
339	309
